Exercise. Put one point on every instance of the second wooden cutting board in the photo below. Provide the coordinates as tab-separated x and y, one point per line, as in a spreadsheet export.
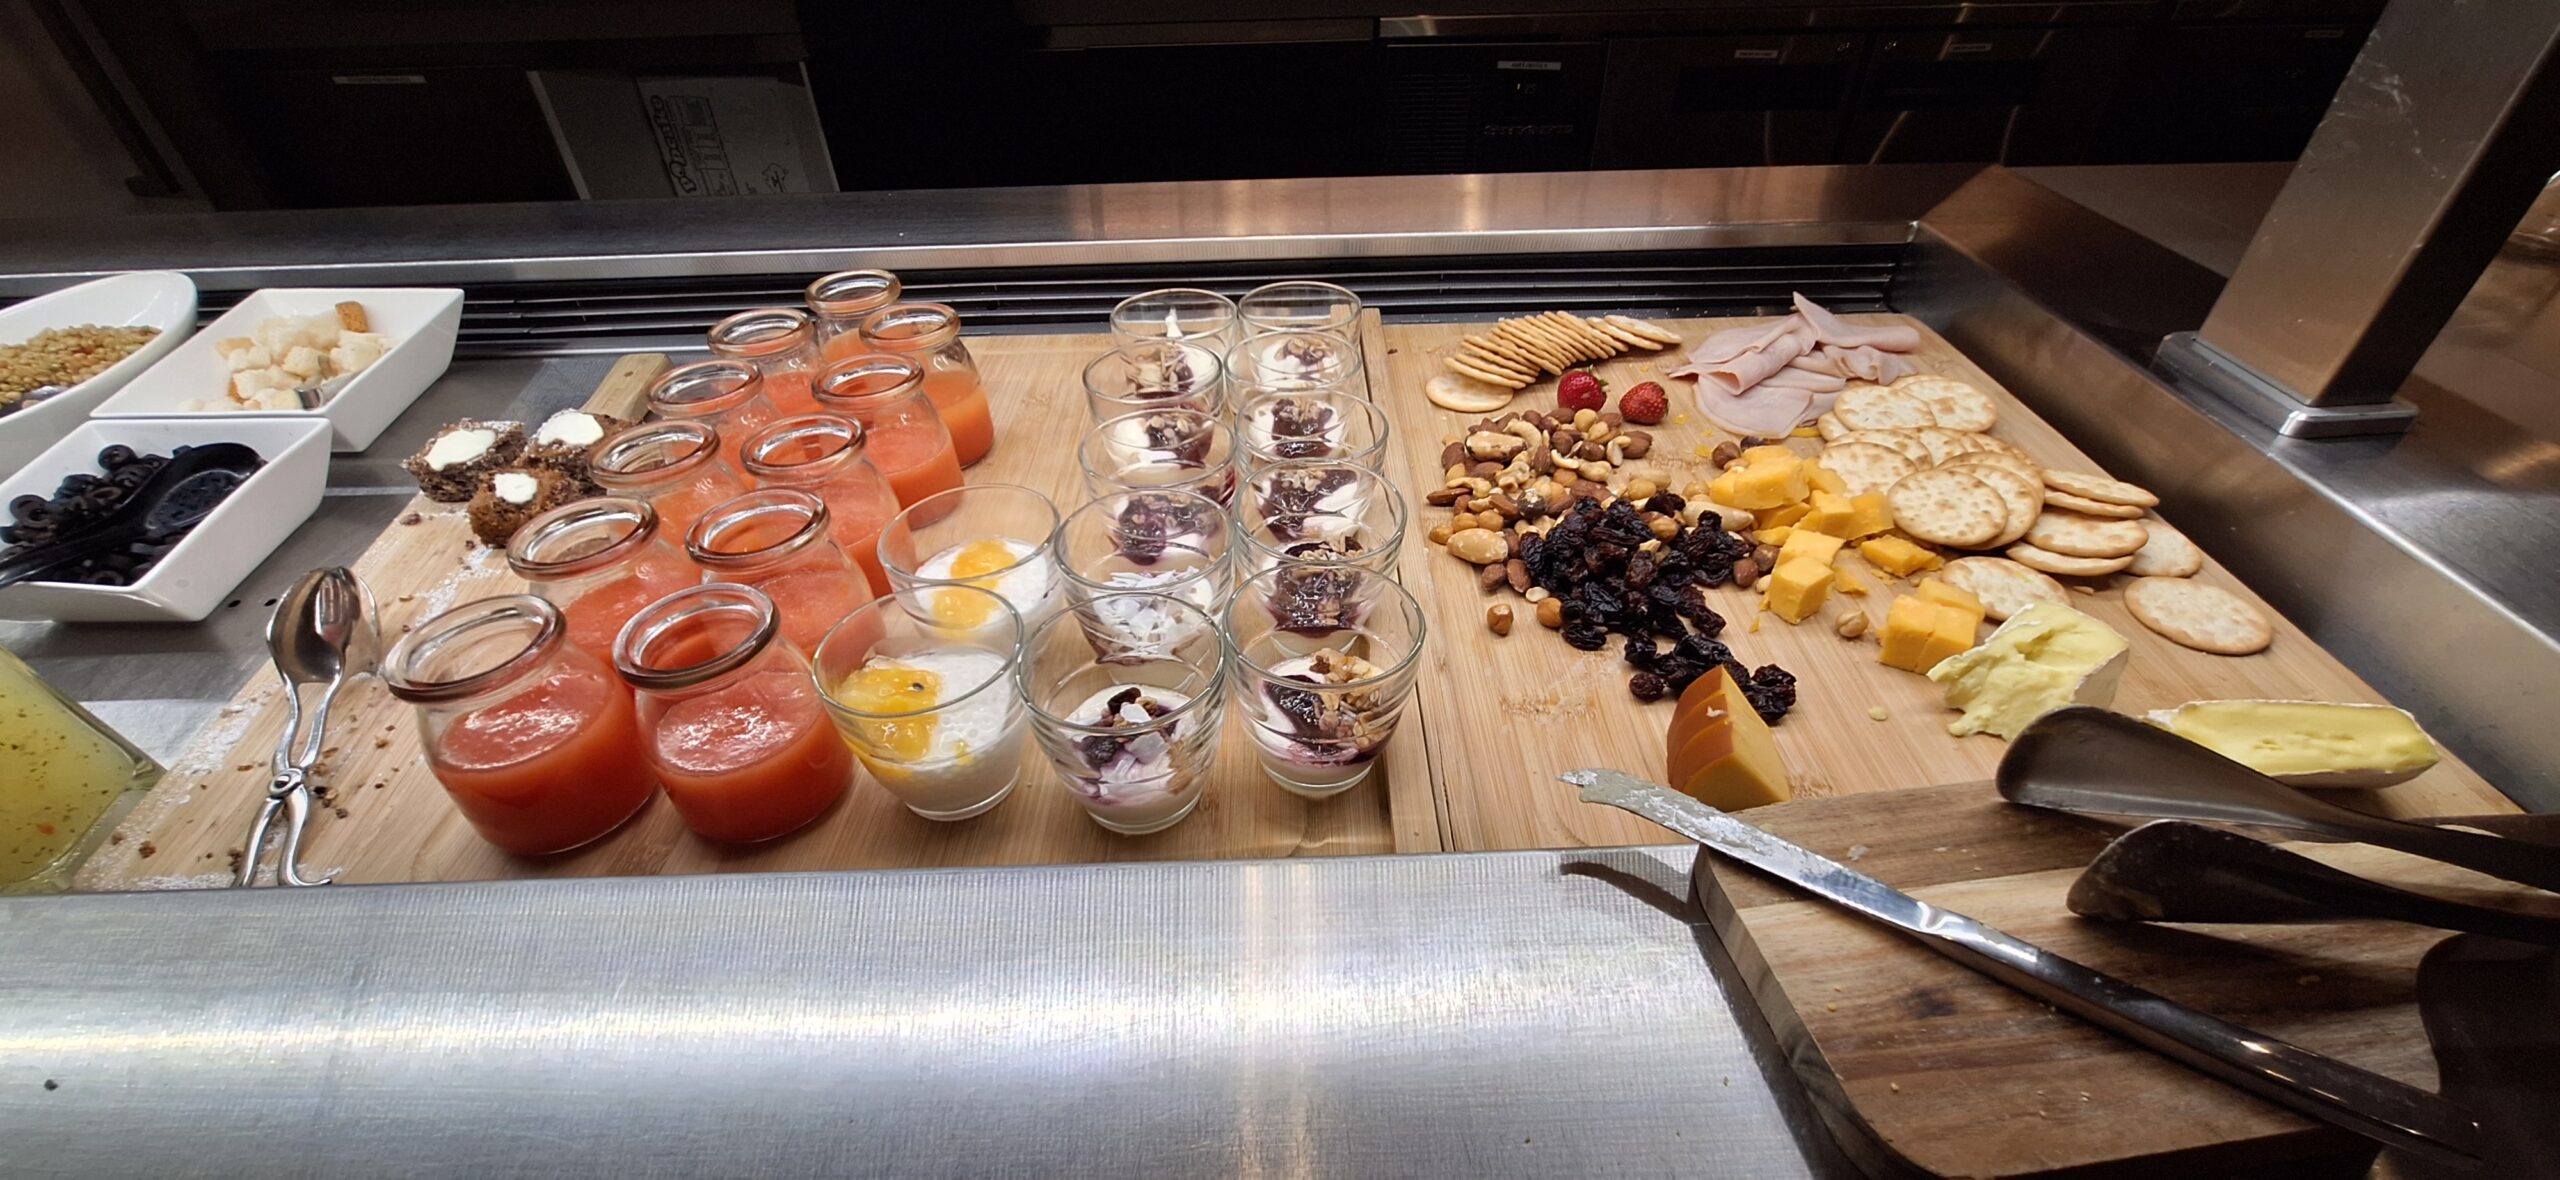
1919	1063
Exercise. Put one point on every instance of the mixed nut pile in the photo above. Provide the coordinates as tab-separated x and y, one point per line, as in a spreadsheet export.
1533	509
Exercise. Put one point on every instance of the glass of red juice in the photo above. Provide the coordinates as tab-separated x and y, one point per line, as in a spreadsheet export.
778	541
842	300
535	739
782	344
730	716
678	467
599	561
829	456
726	395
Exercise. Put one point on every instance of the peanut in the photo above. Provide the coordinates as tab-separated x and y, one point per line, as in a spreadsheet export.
1639	489
1551	613
1440	534
1582	419
1498	618
1663	526
1852	625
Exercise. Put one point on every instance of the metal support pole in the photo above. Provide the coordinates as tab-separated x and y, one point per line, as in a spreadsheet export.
2437	142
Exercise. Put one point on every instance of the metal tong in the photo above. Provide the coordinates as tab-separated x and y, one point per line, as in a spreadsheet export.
322	628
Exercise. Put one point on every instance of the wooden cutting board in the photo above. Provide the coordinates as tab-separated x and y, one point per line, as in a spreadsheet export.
386	819
1508	713
1917	1062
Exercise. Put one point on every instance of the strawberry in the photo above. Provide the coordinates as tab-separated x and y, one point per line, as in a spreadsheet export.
1645	404
1580	389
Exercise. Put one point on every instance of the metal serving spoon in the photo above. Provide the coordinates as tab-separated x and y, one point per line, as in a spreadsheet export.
322	632
2090	760
2174	871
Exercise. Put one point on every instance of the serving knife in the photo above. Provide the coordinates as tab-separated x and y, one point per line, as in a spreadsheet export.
2367	1103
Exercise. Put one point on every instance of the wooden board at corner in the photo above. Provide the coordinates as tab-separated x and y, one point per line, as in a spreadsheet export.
1507	713
1918	1062
388	820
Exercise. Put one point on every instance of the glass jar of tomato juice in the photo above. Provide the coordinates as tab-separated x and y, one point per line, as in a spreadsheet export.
536	740
777	541
782	344
599	561
929	334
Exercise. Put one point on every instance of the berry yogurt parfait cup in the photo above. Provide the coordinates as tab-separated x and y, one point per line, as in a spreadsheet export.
1324	659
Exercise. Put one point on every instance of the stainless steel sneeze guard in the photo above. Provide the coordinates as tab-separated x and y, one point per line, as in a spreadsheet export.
1513	1014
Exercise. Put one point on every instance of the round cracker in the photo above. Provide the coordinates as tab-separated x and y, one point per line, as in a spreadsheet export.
1484	360
2099	487
2047	560
1830	428
2193	614
1900	442
2022	497
1510	353
1940	442
2088	507
1865	406
1465	367
1993	442
1954	404
2074	535
1866	467
2168	554
1946	508
1661	337
1627	340
2003	460
1465	395
2003	586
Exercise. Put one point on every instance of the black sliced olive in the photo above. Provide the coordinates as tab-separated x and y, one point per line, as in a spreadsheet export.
115	455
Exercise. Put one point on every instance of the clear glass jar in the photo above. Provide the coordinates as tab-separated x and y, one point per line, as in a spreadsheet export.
1300	306
1123	549
902	429
1183	450
1176	313
1156	375
61	772
777	541
676	467
727	396
929	334
1286	425
829	456
534	738
1131	730
999	537
930	708
842	300
599	561
730	716
782	344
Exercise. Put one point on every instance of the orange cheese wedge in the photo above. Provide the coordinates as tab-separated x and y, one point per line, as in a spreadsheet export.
1721	753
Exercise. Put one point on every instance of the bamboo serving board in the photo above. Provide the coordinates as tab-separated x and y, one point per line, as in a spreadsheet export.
1918	1062
386	819
1508	713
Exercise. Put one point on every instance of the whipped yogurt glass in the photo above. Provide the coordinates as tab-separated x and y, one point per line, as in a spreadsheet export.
996	537
1323	659
1169	543
1285	425
1132	731
929	710
1178	449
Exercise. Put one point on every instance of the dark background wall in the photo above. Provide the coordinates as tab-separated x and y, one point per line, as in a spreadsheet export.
305	103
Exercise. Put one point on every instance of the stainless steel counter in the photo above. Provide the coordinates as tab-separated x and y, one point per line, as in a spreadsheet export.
1518	1014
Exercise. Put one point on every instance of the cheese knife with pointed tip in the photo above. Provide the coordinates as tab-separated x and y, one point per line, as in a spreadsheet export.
2290	1076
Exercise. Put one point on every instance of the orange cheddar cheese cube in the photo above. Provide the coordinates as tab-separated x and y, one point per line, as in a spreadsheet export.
1781	516
1720	752
1832	513
1798	587
1775	536
1908	626
1803	542
1821	480
1849	582
1769	453
1765	477
1898	556
1868	515
1953	635
1945	594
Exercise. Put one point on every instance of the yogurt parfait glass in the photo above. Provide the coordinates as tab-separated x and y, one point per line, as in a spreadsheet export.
1321	512
1282	425
930	709
1132	731
998	537
1300	306
1324	659
1294	360
1156	375
1182	450
1176	313
1122	549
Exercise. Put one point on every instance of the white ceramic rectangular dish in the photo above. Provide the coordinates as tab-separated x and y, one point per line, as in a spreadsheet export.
160	299
422	321
190	580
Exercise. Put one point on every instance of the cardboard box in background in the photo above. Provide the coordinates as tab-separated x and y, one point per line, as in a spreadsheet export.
711	135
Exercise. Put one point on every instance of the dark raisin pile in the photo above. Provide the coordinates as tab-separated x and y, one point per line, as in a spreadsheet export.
1591	562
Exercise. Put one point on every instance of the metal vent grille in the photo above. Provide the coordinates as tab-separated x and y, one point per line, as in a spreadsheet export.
622	315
